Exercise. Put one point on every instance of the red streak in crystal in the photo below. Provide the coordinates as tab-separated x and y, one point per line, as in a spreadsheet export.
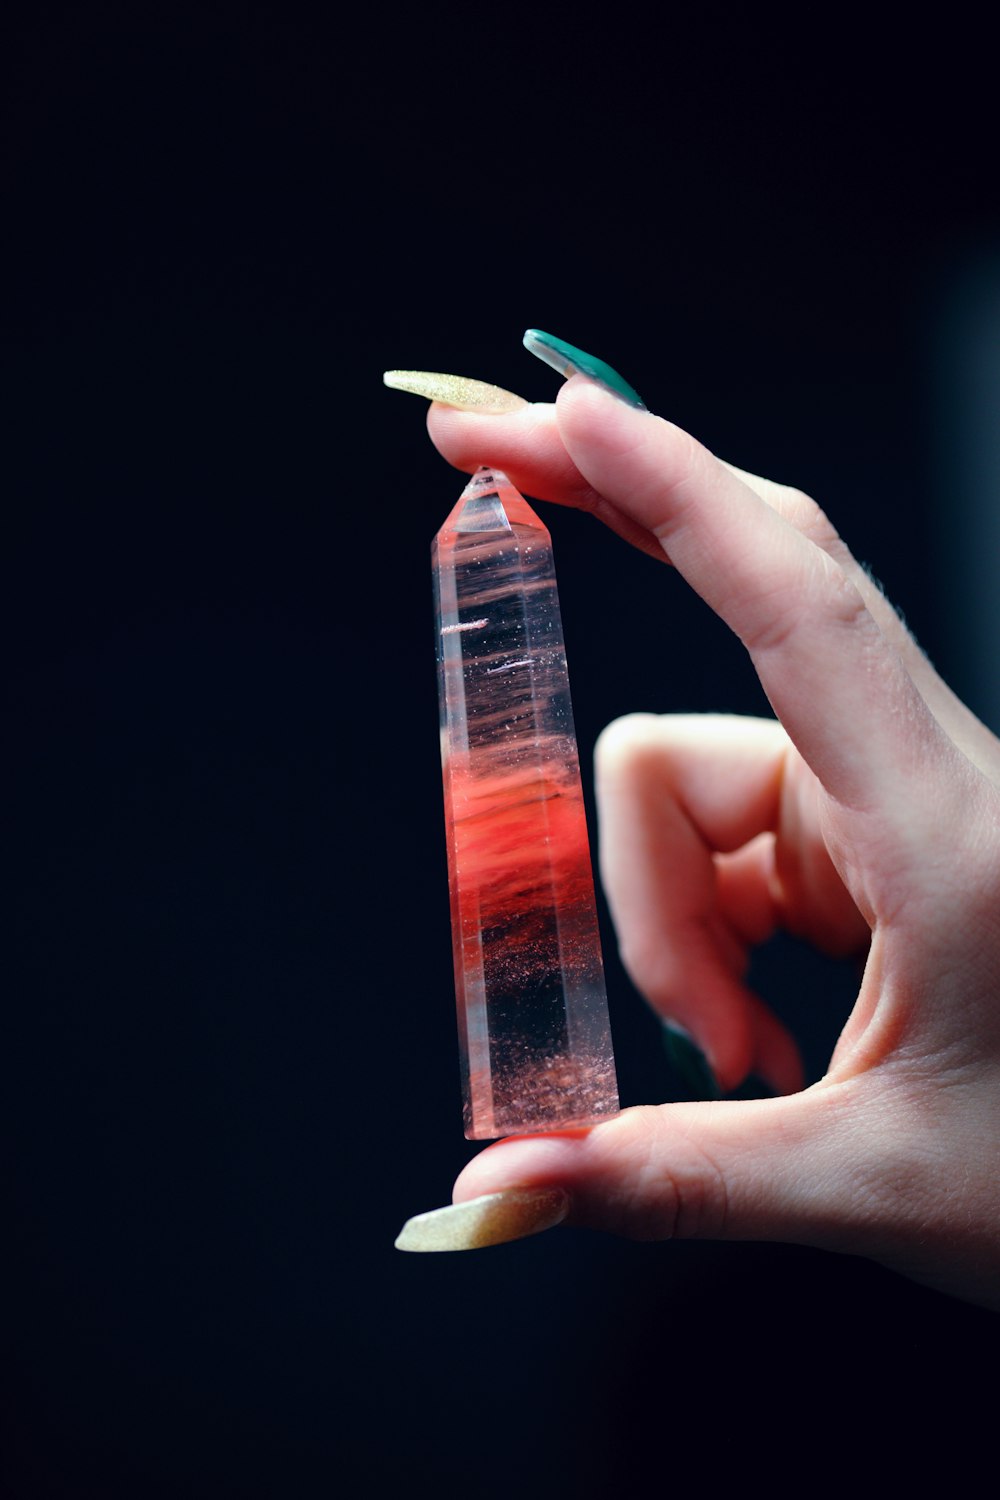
520	842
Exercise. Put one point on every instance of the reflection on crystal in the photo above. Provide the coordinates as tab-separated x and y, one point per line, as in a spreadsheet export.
533	1025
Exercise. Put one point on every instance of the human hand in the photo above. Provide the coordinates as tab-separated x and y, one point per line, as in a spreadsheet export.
867	817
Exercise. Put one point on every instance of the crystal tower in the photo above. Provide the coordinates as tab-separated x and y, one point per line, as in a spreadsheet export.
534	1038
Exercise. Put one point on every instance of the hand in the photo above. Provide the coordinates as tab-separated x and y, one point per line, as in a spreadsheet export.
868	818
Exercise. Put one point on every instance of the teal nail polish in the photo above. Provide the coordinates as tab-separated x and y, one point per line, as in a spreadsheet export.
695	1079
571	361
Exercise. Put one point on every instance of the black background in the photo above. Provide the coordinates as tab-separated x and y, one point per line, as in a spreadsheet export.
230	1057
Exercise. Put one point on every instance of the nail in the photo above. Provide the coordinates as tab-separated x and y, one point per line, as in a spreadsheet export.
454	390
569	360
689	1063
491	1220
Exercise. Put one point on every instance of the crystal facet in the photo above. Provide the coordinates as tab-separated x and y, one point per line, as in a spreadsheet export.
534	1036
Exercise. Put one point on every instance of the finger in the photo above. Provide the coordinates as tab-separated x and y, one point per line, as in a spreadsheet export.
726	770
839	688
776	884
527	446
671	792
765	1169
752	804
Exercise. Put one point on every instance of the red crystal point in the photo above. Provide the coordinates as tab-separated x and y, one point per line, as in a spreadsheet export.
534	1036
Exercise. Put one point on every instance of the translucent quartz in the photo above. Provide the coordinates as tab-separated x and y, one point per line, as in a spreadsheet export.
532	1010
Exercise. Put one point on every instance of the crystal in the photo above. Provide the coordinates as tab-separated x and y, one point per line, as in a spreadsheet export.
534	1036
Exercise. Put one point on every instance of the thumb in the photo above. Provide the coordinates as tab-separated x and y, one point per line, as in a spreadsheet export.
765	1169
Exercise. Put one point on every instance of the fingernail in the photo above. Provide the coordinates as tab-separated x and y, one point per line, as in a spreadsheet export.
689	1063
454	390
572	361
491	1220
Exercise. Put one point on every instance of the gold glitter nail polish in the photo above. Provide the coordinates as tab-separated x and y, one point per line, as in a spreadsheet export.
454	390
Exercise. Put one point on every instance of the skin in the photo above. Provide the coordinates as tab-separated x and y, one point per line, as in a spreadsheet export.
865	818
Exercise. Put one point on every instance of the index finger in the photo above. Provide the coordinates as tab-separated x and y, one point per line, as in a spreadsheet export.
839	687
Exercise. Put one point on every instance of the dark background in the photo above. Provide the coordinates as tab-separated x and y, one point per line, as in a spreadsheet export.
230	1057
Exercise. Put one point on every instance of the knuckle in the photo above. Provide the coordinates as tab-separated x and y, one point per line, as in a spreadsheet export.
676	1189
624	741
807	516
623	732
689	457
843	602
677	487
823	592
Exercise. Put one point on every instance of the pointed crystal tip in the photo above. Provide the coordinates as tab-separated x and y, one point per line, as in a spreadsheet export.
481	505
490	502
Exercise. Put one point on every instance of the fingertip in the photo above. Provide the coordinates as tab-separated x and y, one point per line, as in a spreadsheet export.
524	444
632	457
582	401
447	425
522	1162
